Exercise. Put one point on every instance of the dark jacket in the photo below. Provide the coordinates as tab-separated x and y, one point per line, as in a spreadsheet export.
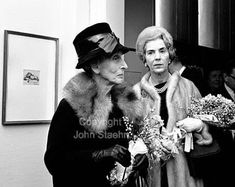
224	159
194	74
78	129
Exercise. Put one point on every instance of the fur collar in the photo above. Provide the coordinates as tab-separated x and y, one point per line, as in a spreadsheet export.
145	89
90	104
173	82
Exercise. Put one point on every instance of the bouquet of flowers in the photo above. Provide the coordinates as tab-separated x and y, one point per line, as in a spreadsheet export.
161	144
151	138
215	110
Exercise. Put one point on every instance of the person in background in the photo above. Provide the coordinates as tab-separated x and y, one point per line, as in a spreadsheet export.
191	72
229	83
221	80
213	76
87	134
229	79
169	96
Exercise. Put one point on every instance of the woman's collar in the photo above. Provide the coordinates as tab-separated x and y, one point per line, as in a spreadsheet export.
154	83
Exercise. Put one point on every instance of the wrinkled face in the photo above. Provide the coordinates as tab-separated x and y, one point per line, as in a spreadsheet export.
157	56
215	79
112	69
230	79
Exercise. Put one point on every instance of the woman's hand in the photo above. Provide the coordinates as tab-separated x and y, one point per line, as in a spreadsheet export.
117	153
191	124
166	146
199	128
140	162
204	138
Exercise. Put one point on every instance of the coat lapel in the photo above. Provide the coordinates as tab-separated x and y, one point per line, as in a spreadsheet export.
155	100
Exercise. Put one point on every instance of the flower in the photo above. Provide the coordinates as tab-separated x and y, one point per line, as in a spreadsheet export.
161	144
137	147
151	138
119	174
215	110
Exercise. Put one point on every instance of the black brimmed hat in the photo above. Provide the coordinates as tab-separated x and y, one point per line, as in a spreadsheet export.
97	40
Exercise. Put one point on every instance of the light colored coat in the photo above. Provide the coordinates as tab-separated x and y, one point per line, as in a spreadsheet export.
178	96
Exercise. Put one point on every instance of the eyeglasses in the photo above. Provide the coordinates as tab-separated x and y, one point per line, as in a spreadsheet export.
232	76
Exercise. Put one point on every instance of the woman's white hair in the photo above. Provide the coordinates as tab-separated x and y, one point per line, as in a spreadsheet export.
151	33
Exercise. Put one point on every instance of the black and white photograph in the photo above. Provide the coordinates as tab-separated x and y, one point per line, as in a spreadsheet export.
31	77
117	93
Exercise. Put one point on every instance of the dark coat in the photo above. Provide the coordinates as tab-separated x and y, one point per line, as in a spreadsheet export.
216	174
194	74
78	129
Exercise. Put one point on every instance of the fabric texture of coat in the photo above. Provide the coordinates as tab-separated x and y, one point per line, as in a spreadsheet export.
178	96
84	122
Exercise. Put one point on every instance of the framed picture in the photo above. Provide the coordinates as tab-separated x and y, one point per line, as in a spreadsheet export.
30	78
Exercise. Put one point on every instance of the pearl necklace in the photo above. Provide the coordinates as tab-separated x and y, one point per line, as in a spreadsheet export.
162	89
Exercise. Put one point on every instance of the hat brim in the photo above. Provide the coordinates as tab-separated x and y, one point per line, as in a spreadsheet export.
122	49
98	52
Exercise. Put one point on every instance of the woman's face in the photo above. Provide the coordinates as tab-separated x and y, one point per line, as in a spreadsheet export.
112	69
157	56
215	79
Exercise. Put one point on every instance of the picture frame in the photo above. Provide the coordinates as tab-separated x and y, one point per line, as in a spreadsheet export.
30	78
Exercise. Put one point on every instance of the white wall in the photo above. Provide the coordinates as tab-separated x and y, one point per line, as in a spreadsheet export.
22	147
115	15
111	11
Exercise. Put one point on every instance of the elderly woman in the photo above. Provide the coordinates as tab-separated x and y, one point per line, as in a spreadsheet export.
169	96
87	134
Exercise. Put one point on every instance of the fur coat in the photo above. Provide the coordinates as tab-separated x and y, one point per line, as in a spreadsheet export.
88	101
179	93
86	121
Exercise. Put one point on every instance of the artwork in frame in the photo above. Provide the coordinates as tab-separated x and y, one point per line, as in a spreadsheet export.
30	78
